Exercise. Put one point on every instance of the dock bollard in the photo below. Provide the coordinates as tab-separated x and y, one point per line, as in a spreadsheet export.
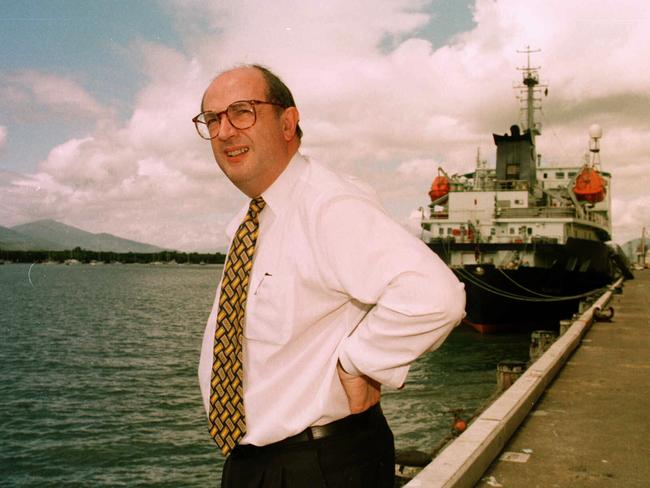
605	315
508	372
564	326
540	341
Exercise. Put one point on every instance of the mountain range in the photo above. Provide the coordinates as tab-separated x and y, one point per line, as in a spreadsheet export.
50	235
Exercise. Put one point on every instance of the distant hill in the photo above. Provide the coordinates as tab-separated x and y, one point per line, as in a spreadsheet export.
50	235
15	241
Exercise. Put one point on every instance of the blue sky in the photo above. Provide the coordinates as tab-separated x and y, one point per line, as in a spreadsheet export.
88	40
96	97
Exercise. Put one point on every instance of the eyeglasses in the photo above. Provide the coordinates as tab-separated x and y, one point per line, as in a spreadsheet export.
240	114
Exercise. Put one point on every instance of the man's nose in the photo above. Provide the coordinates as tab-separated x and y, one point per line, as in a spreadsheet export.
226	129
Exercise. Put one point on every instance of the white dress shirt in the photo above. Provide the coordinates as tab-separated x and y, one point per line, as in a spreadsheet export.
333	279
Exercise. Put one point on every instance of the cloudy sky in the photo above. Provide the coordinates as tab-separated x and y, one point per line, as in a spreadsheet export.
96	100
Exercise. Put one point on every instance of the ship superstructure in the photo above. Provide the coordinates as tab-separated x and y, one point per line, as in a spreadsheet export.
529	240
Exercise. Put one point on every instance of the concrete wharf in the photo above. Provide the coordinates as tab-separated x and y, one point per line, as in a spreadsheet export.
578	417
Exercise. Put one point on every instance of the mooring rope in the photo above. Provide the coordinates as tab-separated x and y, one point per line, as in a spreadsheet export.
475	280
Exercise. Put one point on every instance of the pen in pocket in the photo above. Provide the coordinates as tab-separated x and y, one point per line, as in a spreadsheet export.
260	282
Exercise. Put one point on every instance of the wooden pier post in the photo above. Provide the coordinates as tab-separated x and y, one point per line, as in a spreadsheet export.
508	372
564	326
540	341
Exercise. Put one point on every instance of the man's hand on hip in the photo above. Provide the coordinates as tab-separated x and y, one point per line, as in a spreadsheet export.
362	392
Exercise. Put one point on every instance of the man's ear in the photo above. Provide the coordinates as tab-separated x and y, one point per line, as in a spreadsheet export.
290	119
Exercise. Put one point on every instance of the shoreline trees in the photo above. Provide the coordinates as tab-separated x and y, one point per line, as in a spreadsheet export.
87	256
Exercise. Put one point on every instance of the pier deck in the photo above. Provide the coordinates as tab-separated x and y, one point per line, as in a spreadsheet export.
591	427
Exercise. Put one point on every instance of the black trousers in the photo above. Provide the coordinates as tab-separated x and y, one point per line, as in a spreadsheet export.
361	457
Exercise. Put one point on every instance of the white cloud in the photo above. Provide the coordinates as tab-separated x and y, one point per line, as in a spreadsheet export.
150	179
32	93
630	217
418	168
375	101
3	137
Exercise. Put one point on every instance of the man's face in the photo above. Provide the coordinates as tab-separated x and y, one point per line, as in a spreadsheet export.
251	158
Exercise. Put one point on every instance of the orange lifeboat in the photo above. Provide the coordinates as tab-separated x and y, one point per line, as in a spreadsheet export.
590	186
440	186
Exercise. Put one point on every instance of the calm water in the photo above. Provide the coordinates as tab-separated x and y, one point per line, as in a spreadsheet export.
98	377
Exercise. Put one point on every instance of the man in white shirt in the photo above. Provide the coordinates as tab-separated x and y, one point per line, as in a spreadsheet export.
340	300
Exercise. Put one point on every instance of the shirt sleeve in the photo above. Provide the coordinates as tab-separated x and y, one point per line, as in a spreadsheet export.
415	298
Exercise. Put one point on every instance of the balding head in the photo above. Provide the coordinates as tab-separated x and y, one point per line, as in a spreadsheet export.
253	157
276	90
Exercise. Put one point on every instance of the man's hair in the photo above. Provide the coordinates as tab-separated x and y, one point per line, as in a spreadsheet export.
277	91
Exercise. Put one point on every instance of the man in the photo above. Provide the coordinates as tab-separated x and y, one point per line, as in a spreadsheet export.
323	299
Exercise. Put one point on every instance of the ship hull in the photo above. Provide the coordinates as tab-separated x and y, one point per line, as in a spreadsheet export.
525	298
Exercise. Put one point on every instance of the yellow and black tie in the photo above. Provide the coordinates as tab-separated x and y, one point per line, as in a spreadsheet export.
226	419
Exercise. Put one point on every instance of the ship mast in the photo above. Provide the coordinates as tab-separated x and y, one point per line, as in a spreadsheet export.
595	133
530	94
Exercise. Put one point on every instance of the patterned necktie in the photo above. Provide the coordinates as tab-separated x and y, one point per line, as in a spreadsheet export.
226	420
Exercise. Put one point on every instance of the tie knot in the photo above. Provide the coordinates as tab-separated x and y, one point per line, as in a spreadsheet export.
256	205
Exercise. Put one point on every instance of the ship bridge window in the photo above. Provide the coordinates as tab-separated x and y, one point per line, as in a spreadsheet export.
493	231
559	175
530	231
571	174
545	175
448	231
519	202
512	231
441	231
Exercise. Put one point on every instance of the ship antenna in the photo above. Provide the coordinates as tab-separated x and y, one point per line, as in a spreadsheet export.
530	93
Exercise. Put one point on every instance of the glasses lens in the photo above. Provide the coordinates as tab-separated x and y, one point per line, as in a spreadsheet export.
241	115
201	124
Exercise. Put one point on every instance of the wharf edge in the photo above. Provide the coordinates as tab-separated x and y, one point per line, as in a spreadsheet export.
465	462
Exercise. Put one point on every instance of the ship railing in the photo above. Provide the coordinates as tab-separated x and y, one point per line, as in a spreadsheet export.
511	185
536	212
598	218
550	213
489	185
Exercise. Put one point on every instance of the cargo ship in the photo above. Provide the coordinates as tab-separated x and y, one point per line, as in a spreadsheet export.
529	240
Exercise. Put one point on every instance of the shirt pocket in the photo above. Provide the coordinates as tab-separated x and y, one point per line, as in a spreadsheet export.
270	309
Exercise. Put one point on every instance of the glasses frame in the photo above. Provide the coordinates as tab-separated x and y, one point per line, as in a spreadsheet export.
225	112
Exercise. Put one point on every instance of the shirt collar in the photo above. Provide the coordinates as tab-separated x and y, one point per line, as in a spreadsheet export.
278	196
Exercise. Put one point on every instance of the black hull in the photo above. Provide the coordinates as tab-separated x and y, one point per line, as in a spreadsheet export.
531	297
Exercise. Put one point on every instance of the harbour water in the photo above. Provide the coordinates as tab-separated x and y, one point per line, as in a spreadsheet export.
98	377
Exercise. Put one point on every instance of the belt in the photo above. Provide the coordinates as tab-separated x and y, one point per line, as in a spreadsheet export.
361	420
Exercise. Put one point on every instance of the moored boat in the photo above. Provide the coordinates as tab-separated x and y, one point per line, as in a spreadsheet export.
529	240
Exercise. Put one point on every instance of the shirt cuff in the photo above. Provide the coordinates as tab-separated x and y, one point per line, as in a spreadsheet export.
393	377
347	365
